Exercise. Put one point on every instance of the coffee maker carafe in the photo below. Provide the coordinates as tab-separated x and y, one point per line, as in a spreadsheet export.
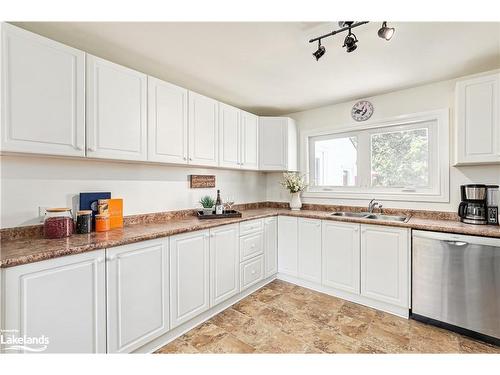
473	208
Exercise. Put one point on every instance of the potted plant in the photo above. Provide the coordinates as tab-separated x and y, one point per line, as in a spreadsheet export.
208	203
295	184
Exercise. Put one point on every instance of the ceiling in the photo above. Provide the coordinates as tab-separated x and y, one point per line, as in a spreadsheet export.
267	67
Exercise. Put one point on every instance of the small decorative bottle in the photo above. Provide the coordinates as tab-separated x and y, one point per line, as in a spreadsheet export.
219	207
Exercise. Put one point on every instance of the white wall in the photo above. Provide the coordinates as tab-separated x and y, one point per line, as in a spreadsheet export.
419	99
29	182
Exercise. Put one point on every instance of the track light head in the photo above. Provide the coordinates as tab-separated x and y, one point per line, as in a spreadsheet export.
350	42
386	32
320	51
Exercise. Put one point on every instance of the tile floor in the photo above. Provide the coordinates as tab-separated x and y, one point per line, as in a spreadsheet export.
285	318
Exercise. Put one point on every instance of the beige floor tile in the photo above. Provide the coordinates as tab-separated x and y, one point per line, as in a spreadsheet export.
467	345
178	346
229	320
285	318
227	344
387	341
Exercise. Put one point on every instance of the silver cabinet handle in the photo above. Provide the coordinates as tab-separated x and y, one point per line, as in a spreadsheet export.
457	243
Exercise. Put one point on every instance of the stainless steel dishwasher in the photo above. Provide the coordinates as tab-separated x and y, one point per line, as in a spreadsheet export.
456	283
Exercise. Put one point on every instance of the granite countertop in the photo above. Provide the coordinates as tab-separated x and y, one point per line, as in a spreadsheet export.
22	251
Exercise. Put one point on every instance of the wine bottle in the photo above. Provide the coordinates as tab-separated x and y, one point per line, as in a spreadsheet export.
218	204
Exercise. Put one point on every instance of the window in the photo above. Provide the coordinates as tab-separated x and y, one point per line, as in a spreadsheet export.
396	159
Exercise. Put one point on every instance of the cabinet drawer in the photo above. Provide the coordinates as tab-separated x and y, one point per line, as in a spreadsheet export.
251	226
251	272
251	245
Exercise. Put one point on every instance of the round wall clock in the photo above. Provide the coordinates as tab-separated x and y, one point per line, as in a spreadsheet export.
362	110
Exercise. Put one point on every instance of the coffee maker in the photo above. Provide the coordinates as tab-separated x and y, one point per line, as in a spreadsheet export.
473	208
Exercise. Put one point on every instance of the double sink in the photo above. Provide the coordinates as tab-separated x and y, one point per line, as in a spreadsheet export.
372	216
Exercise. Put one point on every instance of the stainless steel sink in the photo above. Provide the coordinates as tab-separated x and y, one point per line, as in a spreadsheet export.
351	214
367	215
402	219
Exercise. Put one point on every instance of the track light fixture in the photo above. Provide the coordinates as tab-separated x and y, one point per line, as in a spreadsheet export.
320	51
350	40
386	32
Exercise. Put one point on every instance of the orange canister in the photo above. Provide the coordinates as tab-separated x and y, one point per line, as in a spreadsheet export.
102	223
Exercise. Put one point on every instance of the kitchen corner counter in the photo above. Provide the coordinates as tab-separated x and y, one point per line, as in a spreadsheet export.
22	251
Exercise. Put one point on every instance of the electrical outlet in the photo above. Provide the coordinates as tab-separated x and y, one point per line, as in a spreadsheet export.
41	212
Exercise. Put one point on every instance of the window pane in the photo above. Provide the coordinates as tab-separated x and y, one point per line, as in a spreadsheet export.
400	159
335	162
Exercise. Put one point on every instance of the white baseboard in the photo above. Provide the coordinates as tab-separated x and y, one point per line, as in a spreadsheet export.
356	298
171	335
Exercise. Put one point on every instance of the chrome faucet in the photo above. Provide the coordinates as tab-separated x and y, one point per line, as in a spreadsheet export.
373	204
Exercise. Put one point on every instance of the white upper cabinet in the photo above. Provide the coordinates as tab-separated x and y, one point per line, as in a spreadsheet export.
203	130
43	91
189	276
278	144
309	249
287	245
249	125
341	256
167	122
385	270
477	109
224	263
229	136
137	294
63	299
116	111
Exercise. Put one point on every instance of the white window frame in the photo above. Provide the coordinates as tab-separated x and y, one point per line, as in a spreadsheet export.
439	137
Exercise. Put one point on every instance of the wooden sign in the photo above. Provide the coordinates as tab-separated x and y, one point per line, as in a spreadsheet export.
202	181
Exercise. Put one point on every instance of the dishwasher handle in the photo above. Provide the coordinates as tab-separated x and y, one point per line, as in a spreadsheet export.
457	243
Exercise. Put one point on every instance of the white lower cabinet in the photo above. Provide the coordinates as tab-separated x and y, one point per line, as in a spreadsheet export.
384	264
251	272
270	246
287	245
309	249
62	299
341	256
189	276
137	290
224	263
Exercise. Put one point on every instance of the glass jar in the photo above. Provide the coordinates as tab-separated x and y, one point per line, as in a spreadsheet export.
58	223
102	223
84	221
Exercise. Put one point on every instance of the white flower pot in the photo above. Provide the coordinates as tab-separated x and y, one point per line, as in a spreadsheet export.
295	202
208	211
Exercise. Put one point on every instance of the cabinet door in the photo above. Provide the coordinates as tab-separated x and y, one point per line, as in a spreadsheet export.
309	249
273	143
478	122
116	111
203	130
137	289
341	256
62	299
189	276
287	245
249	141
271	246
43	91
229	136
224	263
167	122
384	264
